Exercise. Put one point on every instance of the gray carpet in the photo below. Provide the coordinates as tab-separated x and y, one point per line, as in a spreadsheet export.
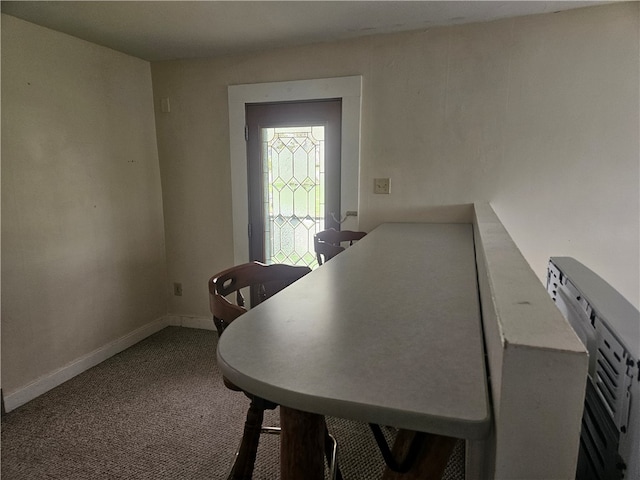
158	410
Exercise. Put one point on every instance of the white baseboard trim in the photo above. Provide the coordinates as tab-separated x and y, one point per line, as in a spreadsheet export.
188	321
45	383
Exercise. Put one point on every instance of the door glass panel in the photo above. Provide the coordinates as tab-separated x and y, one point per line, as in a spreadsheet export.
293	181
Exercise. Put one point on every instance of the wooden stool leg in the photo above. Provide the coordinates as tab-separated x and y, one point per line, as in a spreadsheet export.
243	469
301	445
431	461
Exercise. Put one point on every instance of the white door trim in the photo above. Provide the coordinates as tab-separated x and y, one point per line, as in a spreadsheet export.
349	89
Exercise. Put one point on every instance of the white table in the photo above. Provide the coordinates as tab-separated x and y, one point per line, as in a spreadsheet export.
387	332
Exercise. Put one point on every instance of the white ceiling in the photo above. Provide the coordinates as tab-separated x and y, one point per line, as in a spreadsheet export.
167	30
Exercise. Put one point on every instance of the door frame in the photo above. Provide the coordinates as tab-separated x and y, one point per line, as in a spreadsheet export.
349	89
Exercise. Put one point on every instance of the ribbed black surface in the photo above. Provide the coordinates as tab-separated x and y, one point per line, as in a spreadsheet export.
158	410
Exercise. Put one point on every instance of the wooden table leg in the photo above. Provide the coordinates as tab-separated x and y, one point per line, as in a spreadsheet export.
301	445
431	461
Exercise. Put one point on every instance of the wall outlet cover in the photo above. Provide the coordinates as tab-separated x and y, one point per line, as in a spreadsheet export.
381	185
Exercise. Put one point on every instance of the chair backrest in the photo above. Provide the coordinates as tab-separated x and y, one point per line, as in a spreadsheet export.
327	243
268	279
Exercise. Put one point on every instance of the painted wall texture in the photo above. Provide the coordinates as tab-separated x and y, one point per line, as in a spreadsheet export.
83	260
537	115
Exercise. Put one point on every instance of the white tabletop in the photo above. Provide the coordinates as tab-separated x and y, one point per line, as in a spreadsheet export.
387	332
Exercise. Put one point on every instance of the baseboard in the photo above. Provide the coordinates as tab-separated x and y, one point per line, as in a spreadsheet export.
188	321
45	383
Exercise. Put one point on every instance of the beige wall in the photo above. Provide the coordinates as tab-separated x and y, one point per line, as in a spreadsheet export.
537	115
83	260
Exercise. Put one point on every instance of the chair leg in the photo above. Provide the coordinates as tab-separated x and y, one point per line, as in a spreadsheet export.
329	454
246	458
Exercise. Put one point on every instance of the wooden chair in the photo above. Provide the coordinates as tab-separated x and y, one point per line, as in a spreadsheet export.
268	280
327	244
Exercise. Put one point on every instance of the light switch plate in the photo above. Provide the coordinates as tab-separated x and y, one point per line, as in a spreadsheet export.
381	185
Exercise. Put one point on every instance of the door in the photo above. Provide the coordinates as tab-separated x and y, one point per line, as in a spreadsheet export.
293	152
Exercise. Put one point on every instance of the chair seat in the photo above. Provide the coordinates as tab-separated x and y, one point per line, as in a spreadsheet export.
230	385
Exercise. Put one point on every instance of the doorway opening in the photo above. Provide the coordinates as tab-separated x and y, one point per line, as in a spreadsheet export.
348	89
293	152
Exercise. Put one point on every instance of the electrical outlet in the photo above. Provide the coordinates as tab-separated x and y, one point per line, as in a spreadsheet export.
381	185
177	289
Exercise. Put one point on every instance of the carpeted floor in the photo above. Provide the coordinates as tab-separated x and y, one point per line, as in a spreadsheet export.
160	411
